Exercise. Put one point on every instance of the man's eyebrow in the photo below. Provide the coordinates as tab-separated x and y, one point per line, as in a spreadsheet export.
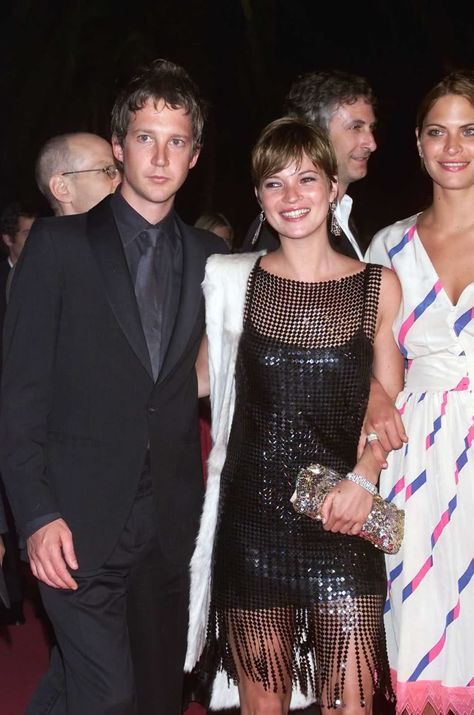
362	121
144	130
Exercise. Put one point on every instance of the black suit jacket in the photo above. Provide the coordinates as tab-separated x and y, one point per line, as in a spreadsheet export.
79	405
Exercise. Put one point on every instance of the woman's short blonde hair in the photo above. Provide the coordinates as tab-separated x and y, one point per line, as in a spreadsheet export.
285	141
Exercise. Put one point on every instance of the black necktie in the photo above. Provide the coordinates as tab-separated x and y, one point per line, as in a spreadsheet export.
147	291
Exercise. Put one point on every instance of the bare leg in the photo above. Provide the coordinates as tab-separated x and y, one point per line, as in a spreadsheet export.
350	654
358	676
255	700
261	644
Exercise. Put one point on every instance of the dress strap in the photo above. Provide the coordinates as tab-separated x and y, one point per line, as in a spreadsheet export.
371	287
251	287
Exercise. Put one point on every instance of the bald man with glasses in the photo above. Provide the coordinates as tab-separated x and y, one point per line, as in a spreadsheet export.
75	171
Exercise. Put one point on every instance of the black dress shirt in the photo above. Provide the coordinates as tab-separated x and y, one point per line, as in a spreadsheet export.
168	260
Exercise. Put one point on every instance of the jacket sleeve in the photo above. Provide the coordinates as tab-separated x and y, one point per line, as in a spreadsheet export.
3	519
30	335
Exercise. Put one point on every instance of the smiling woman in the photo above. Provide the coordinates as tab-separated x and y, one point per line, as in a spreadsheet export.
446	142
293	194
430	628
295	335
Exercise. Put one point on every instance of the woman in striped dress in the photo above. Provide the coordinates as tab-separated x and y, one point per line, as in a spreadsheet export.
430	608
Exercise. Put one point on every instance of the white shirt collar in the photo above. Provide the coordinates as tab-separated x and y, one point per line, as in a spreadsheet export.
342	213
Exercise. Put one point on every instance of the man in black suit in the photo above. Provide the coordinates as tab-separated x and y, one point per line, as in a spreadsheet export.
99	427
341	104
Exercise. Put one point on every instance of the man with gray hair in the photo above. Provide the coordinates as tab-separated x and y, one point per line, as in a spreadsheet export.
343	105
75	171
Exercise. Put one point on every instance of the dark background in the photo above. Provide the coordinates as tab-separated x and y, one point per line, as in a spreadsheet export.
62	63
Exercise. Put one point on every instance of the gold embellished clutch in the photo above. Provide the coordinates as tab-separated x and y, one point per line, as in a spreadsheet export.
384	524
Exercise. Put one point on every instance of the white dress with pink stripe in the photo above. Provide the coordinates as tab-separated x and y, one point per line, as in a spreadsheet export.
429	613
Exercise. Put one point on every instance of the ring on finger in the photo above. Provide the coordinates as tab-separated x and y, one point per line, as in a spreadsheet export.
371	437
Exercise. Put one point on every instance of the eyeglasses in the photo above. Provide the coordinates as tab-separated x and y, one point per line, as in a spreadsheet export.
111	171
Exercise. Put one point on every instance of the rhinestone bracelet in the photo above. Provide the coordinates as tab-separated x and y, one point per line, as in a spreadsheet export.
362	482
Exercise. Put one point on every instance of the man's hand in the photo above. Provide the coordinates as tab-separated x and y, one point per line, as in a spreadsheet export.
383	420
2	550
51	551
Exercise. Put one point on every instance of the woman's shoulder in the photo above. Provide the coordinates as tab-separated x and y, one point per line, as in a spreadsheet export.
384	242
396	228
231	266
224	287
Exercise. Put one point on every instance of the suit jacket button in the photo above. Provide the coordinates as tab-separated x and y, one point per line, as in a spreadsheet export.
151	410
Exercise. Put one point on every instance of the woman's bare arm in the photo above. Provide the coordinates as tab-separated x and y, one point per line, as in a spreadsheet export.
346	507
382	417
202	369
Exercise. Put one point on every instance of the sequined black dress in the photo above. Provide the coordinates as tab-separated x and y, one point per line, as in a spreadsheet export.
287	596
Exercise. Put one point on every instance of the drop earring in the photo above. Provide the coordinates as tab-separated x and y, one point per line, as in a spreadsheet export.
335	228
422	160
261	219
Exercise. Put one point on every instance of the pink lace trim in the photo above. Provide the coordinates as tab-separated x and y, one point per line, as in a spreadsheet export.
412	698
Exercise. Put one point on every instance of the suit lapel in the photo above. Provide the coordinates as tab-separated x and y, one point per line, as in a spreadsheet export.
107	247
190	299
